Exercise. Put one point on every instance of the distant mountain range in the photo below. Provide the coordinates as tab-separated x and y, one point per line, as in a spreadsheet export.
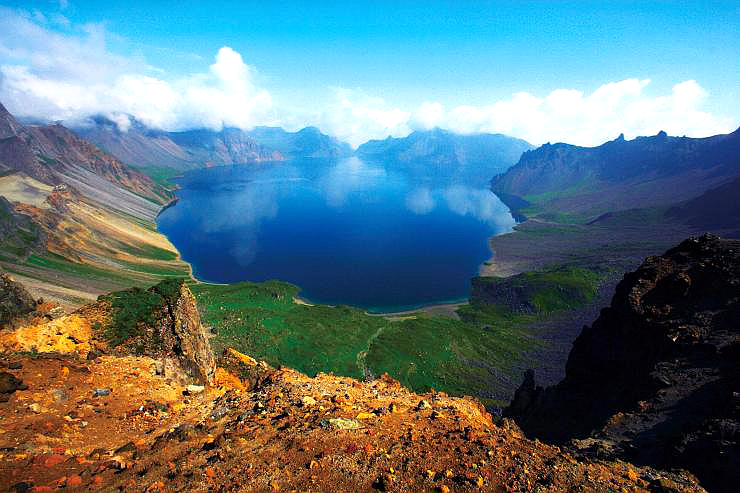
308	142
473	156
142	146
621	174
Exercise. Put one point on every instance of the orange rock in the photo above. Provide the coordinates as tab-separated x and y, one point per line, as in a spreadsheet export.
74	481
156	486
54	460
210	473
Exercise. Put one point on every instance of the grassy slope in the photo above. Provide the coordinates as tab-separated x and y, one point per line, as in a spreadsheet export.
480	354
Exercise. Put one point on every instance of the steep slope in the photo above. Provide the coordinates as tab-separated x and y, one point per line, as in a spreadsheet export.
141	146
308	142
475	155
656	378
138	145
53	154
74	213
621	174
229	146
718	208
115	420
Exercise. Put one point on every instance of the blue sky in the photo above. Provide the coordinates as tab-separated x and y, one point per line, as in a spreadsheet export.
362	70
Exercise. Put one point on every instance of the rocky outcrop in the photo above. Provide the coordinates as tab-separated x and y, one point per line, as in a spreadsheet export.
656	378
15	301
184	348
163	323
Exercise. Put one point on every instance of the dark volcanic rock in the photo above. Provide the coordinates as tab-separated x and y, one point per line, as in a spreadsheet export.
9	384
15	301
656	379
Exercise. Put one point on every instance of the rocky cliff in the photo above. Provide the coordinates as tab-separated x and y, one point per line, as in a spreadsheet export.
15	301
656	378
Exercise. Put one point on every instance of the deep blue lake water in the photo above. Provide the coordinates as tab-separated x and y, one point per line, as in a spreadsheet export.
346	232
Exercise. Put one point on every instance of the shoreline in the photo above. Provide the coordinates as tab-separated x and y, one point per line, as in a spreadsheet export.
447	308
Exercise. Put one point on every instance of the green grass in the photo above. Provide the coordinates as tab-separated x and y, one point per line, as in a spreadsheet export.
58	263
461	357
148	251
544	291
133	309
261	319
161	175
155	270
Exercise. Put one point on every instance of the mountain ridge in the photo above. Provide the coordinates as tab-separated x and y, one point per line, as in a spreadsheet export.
621	174
478	155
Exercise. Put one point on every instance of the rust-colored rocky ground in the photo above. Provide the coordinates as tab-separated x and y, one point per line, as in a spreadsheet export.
81	416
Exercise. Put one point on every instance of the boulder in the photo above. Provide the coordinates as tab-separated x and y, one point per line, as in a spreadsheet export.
15	301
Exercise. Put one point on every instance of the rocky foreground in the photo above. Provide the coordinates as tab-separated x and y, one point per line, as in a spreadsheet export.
95	402
656	379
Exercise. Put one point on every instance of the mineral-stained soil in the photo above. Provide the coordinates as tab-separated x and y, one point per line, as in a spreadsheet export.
87	417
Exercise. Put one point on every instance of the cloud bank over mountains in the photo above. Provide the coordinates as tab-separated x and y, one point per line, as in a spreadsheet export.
54	70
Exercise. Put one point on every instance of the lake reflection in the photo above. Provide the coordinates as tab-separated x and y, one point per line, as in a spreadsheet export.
346	232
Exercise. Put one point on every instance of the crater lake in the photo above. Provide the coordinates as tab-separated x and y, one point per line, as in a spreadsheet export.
380	236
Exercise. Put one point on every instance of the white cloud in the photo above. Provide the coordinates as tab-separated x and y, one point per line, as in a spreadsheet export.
569	115
55	70
355	117
71	75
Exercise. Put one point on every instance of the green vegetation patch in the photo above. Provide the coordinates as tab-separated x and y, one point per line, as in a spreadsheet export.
161	175
470	356
134	309
262	320
148	251
539	292
58	263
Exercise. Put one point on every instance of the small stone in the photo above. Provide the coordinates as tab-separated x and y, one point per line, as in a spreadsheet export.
102	392
56	312
444	489
35	407
423	405
365	416
345	424
307	401
60	395
195	389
